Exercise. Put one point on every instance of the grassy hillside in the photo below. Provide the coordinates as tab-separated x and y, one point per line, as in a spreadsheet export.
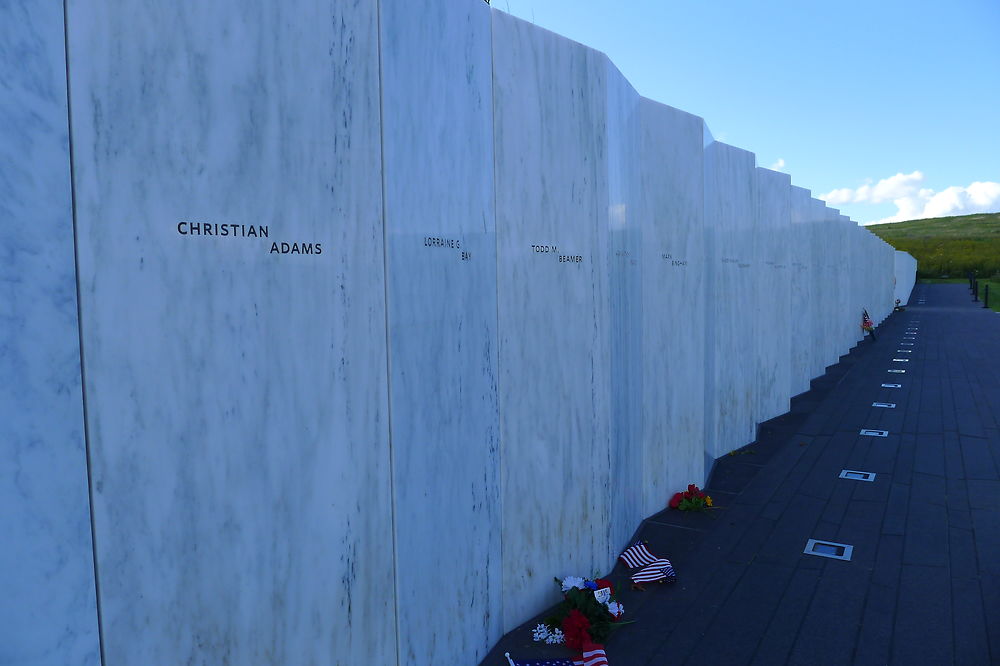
949	246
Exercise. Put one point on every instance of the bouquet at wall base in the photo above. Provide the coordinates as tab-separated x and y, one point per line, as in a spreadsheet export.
693	499
586	617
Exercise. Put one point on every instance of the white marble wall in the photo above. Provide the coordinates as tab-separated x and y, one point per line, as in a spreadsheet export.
829	259
48	604
819	286
236	396
534	306
905	267
673	301
730	368
835	274
802	308
625	219
553	309
848	327
854	277
442	310
774	295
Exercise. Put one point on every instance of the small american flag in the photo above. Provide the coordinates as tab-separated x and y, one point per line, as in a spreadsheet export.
539	662
866	322
659	570
637	556
593	657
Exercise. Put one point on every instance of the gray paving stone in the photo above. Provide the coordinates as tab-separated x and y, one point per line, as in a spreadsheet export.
984	494
923	632
926	533
875	637
826	634
977	458
896	509
780	635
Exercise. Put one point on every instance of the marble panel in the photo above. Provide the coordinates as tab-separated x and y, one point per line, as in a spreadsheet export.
730	376
838	277
229	212
905	267
550	99
442	312
673	301
850	281
887	282
48	609
832	290
802	300
855	276
774	348
624	228
821	287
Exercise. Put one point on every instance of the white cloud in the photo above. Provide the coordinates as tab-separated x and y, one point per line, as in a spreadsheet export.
779	165
837	197
914	202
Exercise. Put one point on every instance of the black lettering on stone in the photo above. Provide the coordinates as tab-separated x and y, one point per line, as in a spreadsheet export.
432	241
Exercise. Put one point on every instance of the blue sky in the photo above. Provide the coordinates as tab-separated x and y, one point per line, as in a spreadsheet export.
887	109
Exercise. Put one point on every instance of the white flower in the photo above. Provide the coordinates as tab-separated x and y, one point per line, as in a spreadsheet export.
555	637
616	609
569	582
541	633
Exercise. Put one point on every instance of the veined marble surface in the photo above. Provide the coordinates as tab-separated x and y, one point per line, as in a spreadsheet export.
849	280
48	604
236	395
773	282
820	286
906	275
838	274
438	145
673	301
553	310
625	218
731	376
802	303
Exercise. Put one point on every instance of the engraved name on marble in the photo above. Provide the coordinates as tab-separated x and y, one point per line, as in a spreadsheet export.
448	243
232	230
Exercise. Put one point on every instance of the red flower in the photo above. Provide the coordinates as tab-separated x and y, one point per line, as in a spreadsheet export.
692	488
675	501
605	583
576	630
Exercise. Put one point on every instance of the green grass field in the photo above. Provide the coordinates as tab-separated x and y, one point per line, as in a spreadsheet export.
948	246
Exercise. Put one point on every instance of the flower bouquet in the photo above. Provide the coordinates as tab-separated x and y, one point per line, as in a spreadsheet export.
586	616
691	500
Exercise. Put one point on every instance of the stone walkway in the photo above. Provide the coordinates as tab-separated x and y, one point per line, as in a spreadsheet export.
923	582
